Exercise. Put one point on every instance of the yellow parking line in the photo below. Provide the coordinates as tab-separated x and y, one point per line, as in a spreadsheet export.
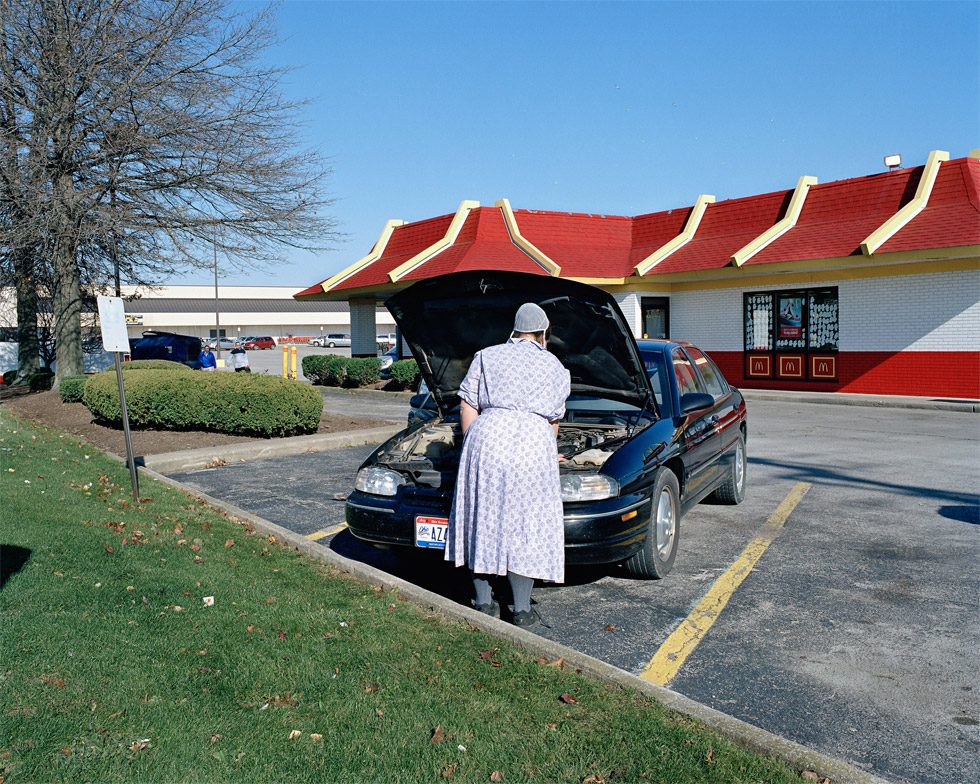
685	638
316	536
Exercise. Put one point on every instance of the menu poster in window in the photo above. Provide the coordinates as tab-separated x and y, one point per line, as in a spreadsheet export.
790	317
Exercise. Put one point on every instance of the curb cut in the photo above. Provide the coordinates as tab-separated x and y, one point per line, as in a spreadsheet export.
867	401
740	732
192	459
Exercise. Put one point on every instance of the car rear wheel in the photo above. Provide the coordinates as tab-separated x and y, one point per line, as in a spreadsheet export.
333	345
732	491
656	558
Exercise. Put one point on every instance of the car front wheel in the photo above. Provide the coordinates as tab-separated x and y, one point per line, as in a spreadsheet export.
732	490
656	558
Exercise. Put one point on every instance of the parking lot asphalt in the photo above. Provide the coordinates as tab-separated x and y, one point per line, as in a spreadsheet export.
853	634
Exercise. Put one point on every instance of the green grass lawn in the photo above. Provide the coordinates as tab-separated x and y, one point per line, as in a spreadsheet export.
112	668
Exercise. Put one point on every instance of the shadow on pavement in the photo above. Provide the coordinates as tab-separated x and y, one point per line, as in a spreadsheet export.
964	514
12	560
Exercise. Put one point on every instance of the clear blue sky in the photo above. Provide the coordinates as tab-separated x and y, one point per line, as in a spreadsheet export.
618	108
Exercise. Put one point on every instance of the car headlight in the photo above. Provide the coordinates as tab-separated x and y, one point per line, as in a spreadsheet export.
588	487
378	481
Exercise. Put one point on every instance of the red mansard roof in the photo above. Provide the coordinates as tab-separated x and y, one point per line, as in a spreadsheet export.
836	218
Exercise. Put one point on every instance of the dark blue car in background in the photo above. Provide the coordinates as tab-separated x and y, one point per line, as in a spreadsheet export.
651	428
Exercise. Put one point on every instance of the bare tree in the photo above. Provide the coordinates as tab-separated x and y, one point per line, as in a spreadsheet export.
136	133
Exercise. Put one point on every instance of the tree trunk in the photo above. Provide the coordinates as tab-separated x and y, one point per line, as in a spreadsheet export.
67	307
28	355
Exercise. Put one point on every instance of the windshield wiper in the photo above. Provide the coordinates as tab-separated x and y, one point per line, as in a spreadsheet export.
631	428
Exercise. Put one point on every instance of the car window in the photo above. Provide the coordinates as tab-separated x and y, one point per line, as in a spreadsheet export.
713	380
687	379
653	363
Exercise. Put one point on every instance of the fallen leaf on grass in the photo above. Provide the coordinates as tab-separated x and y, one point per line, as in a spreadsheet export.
53	680
379	713
216	737
593	778
710	756
486	655
281	635
294	734
559	662
196	548
250	629
139	745
108	548
315	736
812	775
369	688
449	771
287	700
568	698
229	543
438	735
496	776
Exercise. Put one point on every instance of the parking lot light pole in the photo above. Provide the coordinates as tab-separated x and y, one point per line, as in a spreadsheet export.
217	320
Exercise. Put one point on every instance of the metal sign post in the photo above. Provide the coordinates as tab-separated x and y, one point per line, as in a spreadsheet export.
112	318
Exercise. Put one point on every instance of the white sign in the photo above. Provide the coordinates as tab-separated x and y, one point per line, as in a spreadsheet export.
112	317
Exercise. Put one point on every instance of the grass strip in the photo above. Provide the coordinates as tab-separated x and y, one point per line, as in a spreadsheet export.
114	668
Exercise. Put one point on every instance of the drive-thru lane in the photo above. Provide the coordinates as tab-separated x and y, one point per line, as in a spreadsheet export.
853	633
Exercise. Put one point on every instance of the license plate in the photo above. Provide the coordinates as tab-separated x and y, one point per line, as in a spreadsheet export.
431	532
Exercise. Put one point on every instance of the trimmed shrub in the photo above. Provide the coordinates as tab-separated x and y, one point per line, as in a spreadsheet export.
362	371
327	369
41	380
154	364
72	388
223	402
405	373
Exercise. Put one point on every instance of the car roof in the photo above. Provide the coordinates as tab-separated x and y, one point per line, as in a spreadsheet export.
665	346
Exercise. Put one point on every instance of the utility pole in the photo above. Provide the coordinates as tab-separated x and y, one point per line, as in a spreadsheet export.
217	320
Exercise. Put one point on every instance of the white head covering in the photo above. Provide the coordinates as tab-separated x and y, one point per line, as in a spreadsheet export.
530	318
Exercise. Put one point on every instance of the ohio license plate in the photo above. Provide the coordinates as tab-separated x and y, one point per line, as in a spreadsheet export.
431	532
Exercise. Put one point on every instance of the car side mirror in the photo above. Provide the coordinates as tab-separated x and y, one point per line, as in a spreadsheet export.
695	401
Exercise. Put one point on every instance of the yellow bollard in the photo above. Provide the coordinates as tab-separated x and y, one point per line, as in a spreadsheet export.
285	361
294	363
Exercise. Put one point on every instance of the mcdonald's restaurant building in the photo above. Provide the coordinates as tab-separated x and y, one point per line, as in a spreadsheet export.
867	285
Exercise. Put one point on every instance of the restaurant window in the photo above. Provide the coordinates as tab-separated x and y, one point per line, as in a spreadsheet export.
655	314
795	321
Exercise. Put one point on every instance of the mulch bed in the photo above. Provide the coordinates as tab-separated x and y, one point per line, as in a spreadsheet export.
75	418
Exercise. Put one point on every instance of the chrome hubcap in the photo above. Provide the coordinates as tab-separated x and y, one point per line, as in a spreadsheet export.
665	524
739	466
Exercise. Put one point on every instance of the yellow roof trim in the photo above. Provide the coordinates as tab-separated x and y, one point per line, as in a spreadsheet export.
900	219
678	242
522	242
776	231
455	225
373	256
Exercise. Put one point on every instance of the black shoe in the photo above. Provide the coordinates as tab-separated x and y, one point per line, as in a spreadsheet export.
492	609
527	618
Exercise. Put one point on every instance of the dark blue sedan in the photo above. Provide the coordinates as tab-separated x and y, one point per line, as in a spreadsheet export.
651	427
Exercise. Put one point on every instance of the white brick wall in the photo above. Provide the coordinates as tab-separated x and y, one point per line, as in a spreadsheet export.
712	318
938	312
629	303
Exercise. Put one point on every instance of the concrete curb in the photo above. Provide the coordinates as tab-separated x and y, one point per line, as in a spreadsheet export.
193	459
404	395
869	401
736	730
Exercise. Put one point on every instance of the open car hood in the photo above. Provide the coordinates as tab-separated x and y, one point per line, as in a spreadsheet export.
448	318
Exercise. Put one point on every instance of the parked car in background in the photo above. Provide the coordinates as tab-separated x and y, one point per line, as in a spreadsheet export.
649	431
389	358
225	344
387	340
167	345
331	340
259	343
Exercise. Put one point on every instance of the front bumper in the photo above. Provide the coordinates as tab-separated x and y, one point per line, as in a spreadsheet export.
595	531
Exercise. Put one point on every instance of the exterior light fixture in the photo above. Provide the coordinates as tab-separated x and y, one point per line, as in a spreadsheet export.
893	161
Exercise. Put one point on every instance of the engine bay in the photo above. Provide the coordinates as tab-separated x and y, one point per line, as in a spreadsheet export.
429	456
